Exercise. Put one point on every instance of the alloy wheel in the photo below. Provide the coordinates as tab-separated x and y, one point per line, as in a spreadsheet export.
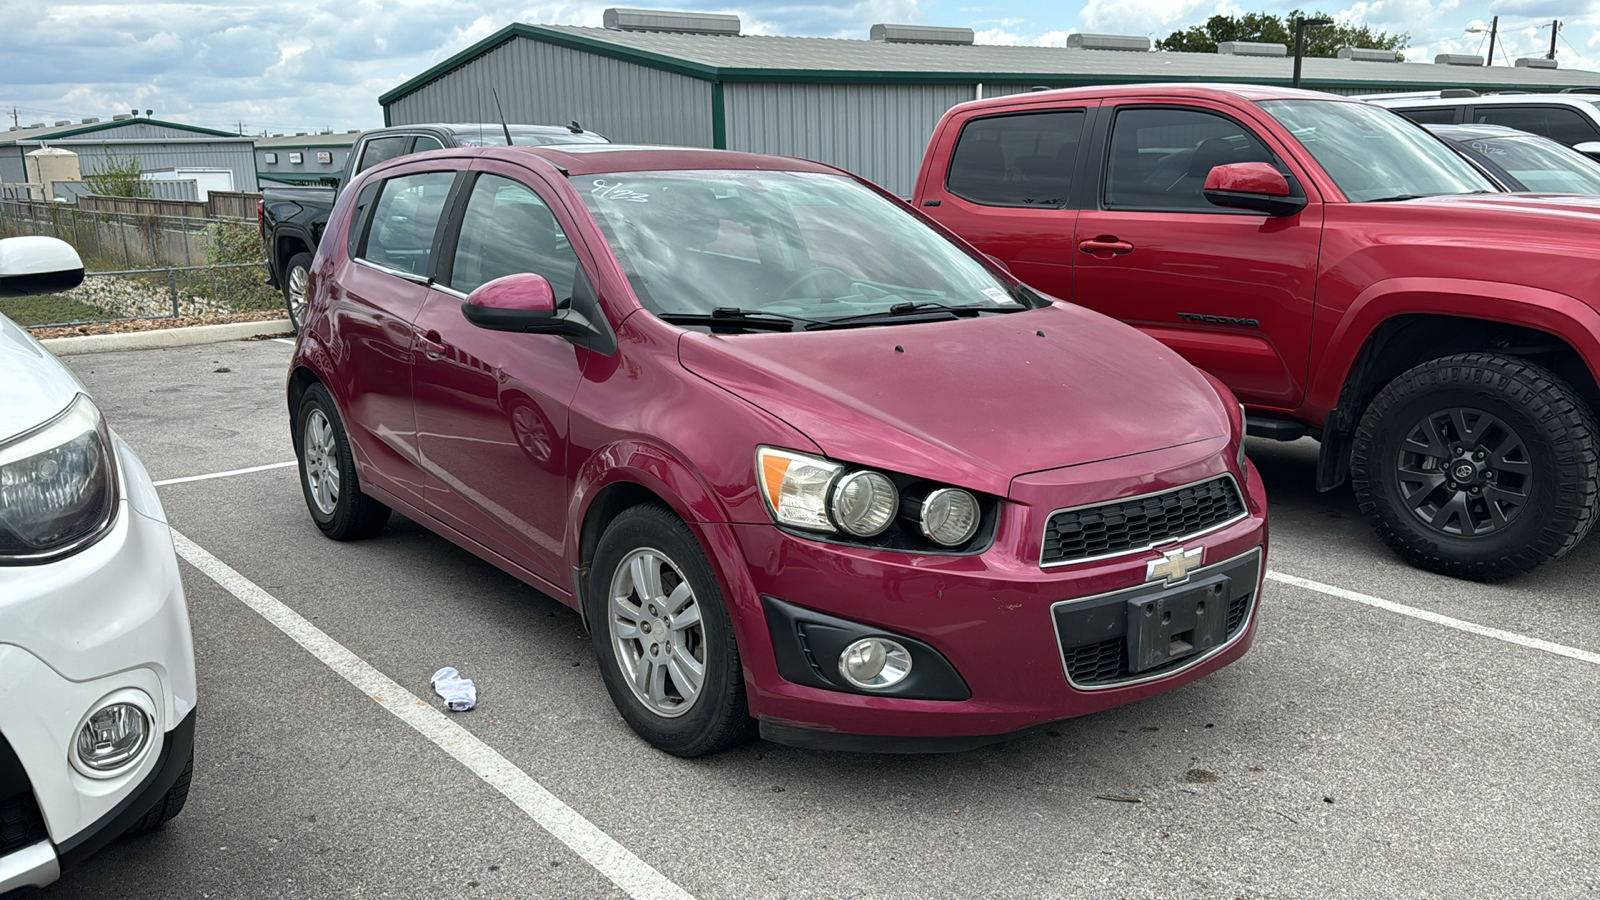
322	462
656	632
1463	472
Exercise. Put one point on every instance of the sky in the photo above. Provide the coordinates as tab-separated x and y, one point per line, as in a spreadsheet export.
308	65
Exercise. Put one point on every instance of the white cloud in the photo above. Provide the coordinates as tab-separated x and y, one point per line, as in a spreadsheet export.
1157	18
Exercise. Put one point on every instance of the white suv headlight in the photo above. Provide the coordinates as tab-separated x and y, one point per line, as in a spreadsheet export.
58	486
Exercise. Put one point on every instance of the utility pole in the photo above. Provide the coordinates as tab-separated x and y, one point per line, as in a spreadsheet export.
1300	23
14	118
1555	27
1494	28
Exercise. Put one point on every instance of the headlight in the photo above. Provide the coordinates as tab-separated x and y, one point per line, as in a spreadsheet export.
864	502
58	486
949	517
796	487
1244	468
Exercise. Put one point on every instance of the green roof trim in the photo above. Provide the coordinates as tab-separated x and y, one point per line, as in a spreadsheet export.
102	126
717	75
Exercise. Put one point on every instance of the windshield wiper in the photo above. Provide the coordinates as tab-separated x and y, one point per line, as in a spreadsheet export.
1397	197
909	309
733	318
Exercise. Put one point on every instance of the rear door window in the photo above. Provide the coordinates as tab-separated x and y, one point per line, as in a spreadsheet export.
1017	160
425	143
400	236
382	150
1558	123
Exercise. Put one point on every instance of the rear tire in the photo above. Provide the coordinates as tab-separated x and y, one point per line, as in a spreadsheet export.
328	471
296	276
663	638
1478	466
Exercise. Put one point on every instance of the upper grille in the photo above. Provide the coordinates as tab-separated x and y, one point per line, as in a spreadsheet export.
1126	526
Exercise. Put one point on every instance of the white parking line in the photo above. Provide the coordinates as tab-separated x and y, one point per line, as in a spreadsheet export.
167	481
1509	637
637	878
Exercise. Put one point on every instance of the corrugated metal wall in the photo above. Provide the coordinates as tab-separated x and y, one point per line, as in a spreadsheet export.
542	84
877	131
234	155
308	167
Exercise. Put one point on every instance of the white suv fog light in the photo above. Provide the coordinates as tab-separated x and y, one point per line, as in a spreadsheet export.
875	663
113	737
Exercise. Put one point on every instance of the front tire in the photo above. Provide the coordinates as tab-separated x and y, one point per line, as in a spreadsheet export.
662	635
296	276
1478	466
328	471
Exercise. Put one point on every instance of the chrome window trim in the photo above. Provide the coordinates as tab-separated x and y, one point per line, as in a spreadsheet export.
398	273
1175	539
1255	597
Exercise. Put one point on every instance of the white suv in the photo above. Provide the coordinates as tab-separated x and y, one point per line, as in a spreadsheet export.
1572	119
97	683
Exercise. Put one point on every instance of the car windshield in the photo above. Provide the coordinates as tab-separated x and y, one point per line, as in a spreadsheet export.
808	246
1541	165
493	137
1373	154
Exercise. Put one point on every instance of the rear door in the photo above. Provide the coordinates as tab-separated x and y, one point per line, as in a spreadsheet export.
1232	291
1010	187
380	290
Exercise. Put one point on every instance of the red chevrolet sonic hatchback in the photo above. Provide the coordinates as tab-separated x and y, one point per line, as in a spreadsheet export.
799	456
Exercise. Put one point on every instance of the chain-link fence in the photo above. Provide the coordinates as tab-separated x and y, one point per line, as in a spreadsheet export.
143	266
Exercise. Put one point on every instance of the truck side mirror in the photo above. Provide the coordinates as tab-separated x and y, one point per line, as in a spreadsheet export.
38	265
1255	186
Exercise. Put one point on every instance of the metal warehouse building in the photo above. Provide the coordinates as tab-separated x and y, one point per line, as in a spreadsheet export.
303	158
156	145
868	106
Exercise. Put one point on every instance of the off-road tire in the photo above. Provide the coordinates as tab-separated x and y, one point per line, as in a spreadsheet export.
720	717
1555	426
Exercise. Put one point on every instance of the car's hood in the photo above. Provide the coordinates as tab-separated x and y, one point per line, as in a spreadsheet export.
1582	205
974	402
34	386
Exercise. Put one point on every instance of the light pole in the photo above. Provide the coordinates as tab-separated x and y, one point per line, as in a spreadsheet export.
1493	31
1300	23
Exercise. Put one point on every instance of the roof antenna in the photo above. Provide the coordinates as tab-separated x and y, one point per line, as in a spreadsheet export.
503	126
574	127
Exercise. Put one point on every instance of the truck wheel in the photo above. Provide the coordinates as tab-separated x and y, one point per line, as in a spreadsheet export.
663	637
328	472
295	276
1477	465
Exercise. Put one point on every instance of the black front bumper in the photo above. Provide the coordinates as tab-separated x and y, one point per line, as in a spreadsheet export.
176	753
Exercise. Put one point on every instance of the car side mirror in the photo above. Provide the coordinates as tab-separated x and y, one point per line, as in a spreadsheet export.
1588	148
38	265
525	303
1255	186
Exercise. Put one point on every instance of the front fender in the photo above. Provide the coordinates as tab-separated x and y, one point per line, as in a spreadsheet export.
1557	314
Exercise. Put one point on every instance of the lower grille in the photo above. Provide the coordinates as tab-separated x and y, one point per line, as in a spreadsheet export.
21	823
1094	631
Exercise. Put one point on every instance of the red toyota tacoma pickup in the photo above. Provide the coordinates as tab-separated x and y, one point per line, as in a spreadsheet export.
1344	272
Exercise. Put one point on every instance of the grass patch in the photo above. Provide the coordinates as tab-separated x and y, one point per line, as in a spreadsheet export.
48	310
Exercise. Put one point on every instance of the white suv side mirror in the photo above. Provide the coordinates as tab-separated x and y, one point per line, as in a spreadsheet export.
38	265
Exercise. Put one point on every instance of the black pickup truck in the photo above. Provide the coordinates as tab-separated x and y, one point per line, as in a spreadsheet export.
292	218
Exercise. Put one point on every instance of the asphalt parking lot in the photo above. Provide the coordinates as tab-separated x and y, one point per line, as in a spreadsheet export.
1391	734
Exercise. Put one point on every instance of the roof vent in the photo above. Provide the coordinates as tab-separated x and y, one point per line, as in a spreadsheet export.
299	134
1457	59
14	128
921	34
121	117
90	121
1536	63
665	20
1134	42
1251	48
37	125
60	122
1363	54
353	131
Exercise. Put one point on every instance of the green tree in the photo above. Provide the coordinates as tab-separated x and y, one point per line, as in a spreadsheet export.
114	176
1321	40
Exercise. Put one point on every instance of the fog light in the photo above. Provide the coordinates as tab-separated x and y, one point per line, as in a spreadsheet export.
113	737
875	663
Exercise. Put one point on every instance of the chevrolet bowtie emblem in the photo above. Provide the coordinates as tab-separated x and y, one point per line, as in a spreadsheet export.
1174	566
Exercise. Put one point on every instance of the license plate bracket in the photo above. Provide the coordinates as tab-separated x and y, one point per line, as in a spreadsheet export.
1176	622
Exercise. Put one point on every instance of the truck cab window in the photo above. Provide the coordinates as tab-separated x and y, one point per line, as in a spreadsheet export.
1160	157
1554	122
382	150
426	143
1017	160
